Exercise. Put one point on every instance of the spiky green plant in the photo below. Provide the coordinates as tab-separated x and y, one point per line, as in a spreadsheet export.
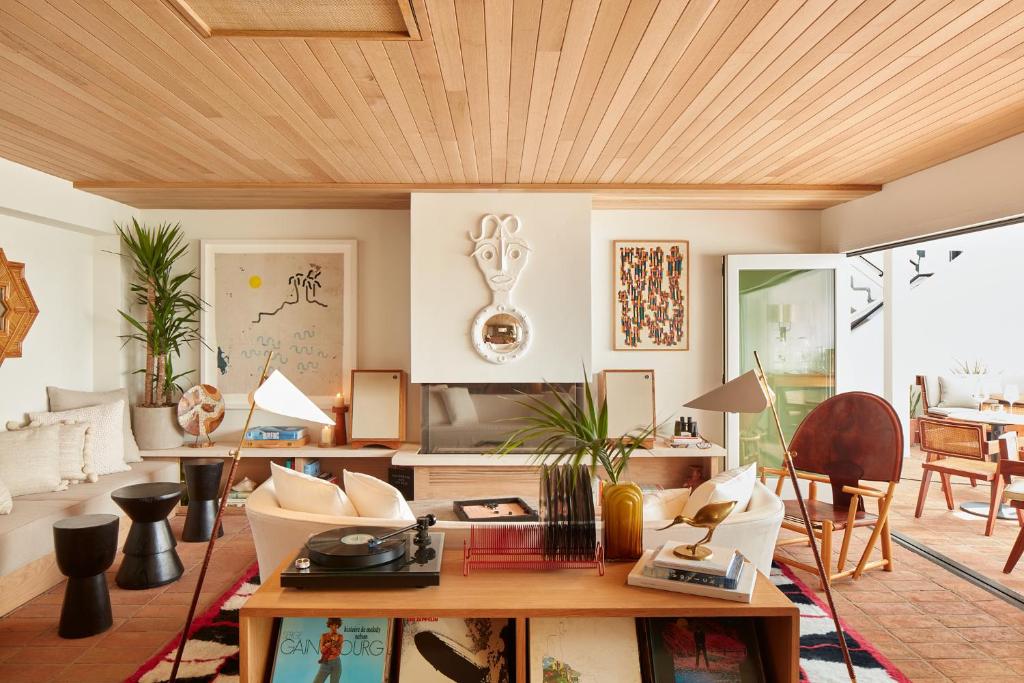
171	312
573	432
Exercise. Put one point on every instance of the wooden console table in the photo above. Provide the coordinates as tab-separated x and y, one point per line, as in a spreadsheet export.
519	595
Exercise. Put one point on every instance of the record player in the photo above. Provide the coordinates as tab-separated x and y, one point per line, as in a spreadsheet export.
369	557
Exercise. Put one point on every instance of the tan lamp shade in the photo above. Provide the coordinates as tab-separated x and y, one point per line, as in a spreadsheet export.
745	394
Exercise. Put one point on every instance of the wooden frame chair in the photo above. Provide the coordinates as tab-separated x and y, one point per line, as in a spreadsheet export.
957	449
1010	465
848	439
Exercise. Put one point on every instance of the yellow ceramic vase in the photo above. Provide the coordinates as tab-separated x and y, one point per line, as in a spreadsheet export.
622	514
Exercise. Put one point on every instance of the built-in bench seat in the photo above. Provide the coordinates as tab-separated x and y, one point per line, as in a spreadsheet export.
27	564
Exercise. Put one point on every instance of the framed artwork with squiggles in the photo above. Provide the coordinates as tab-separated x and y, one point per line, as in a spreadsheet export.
296	298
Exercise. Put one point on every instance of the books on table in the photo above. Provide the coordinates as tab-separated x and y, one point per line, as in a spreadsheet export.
646	574
721	561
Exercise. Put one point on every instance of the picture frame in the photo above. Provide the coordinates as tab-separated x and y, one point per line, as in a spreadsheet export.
631	401
646	271
379	400
297	298
443	650
605	649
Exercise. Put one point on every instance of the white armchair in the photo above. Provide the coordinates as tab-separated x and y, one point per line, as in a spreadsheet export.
278	533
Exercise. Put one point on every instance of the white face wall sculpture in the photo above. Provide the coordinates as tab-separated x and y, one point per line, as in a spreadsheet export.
500	332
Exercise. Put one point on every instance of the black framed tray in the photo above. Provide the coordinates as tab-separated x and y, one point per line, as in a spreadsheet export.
498	508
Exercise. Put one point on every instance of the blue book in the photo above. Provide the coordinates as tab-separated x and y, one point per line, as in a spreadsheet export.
329	649
312	468
275	433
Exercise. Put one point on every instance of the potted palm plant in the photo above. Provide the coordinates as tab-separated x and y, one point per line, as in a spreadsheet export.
169	324
575	433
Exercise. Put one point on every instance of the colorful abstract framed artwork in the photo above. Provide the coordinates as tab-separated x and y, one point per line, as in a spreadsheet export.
651	304
296	298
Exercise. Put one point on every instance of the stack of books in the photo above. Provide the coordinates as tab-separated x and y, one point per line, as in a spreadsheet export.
726	574
684	441
276	437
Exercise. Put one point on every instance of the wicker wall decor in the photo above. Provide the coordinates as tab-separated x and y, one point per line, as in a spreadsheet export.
18	309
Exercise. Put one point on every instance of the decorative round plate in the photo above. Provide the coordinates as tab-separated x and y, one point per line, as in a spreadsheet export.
201	410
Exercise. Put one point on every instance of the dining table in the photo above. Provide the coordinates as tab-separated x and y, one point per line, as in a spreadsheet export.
997	422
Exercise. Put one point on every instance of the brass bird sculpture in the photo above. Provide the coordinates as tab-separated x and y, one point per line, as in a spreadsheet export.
708	517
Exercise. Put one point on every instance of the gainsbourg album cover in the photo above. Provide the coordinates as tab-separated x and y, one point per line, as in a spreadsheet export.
457	651
332	650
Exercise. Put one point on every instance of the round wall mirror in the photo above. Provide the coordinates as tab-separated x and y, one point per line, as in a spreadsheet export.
500	333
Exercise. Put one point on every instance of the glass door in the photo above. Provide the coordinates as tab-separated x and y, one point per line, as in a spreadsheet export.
787	308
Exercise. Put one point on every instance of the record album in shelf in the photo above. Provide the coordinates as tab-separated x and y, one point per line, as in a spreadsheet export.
453	650
651	309
296	298
564	650
331	649
702	649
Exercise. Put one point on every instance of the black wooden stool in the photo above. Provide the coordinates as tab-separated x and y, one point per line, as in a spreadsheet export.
85	547
150	559
202	481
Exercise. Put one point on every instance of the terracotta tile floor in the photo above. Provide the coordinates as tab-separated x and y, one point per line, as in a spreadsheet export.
144	621
933	625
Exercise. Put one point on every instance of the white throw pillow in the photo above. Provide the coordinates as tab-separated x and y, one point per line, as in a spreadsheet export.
6	504
736	484
666	504
461	410
955	392
75	459
69	399
107	442
301	492
375	498
30	461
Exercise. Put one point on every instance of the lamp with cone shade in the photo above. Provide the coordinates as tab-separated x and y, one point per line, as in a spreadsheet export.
750	393
274	394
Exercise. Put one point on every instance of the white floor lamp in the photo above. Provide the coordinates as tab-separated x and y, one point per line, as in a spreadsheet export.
274	394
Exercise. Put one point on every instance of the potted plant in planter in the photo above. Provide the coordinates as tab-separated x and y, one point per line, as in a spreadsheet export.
576	433
170	323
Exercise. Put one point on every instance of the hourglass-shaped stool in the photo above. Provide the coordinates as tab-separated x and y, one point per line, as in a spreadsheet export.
202	481
150	559
85	547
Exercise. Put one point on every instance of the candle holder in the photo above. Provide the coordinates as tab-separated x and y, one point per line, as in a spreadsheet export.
340	431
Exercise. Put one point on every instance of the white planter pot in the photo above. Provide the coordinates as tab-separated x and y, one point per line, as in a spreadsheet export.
156	428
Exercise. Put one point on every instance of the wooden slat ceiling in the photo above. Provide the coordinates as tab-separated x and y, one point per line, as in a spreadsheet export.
653	101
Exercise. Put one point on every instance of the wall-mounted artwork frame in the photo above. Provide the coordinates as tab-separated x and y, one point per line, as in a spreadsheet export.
651	295
631	400
296	298
18	309
379	400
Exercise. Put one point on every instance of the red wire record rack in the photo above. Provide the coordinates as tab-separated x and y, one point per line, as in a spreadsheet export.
519	546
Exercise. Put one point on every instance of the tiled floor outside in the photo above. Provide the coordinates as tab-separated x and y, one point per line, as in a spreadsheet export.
933	625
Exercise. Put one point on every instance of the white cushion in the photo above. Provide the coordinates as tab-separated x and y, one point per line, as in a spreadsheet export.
75	457
955	391
375	498
736	484
666	504
106	432
6	504
459	403
30	461
68	399
301	492
1015	491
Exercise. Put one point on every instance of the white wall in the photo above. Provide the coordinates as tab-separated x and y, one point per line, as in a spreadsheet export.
981	186
448	289
383	253
683	375
56	231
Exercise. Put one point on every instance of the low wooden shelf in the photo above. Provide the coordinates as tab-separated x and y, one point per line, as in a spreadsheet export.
519	595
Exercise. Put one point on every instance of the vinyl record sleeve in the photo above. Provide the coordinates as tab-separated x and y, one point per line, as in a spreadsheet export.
308	647
572	650
453	650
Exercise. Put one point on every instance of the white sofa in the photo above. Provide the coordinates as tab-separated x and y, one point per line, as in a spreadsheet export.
279	533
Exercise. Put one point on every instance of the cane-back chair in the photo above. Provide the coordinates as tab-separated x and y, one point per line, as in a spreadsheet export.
849	439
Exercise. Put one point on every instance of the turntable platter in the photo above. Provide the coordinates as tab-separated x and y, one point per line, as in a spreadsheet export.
348	548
